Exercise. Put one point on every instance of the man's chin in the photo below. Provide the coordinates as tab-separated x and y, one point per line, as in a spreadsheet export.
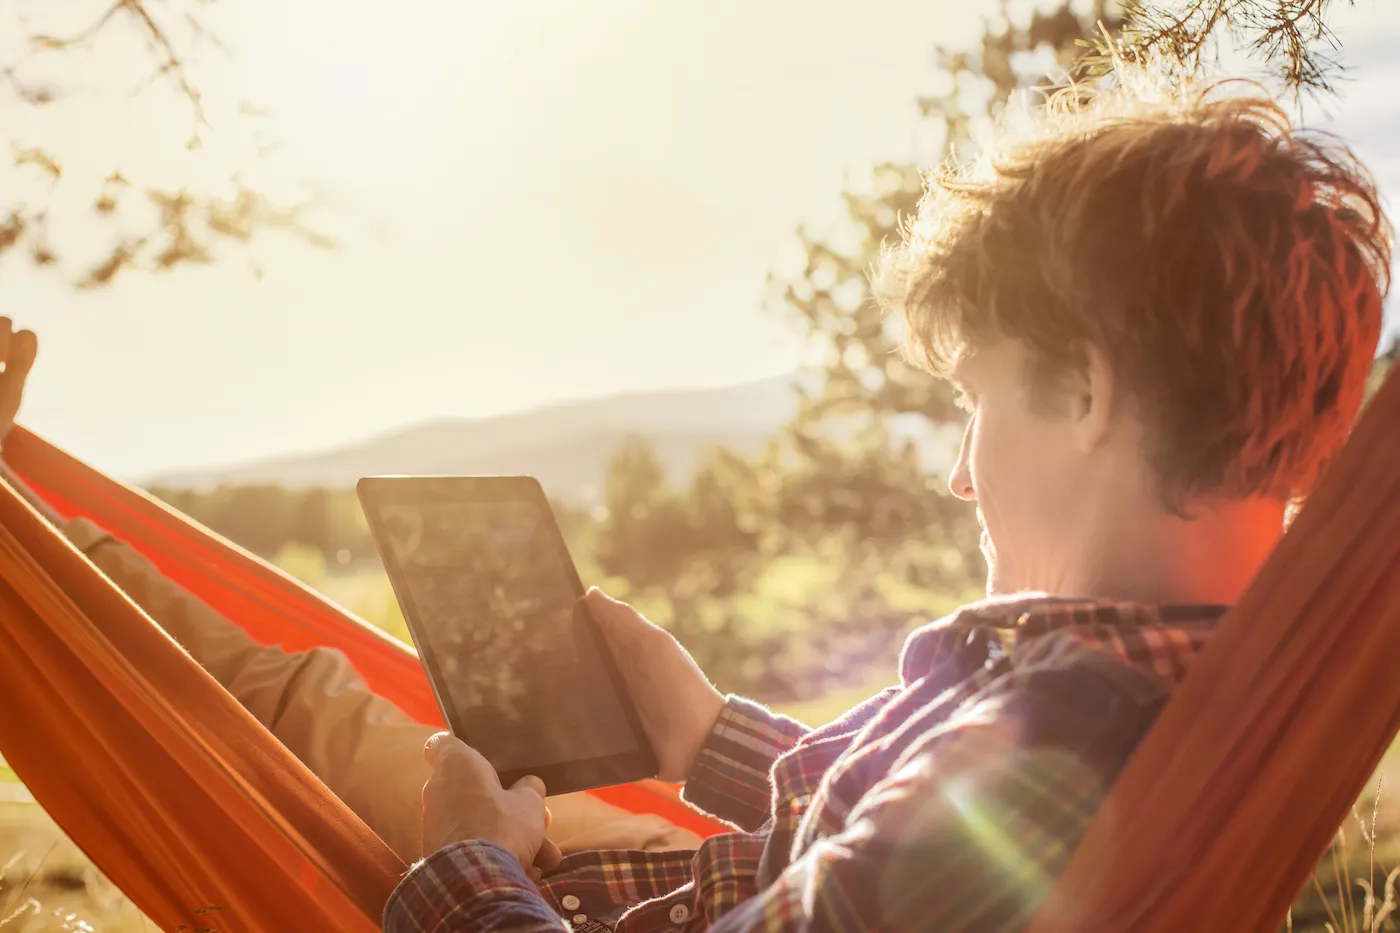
994	587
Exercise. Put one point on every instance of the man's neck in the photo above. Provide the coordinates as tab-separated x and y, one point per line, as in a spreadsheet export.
1158	558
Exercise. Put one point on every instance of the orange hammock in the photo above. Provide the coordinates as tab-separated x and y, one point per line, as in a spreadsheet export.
1214	824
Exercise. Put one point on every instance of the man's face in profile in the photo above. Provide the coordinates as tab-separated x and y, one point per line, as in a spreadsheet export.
1019	464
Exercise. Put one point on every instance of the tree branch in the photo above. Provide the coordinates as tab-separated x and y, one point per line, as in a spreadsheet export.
1285	33
170	63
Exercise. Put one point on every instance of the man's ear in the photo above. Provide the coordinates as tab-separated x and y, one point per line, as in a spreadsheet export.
1094	396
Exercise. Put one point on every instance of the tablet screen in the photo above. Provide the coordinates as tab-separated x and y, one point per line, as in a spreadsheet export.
495	595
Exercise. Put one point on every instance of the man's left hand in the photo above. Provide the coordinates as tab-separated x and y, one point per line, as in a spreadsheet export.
464	800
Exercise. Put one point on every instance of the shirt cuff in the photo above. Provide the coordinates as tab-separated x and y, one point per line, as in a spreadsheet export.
731	775
465	886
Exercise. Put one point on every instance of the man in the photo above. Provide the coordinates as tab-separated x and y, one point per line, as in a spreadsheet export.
364	748
1161	315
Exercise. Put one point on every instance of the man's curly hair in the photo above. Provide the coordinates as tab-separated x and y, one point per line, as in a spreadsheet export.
1231	267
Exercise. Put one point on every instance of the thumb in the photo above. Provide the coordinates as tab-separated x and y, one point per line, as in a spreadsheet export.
597	599
608	611
602	607
622	625
436	747
448	754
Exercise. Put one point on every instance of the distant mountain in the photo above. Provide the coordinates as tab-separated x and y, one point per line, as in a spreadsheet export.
567	446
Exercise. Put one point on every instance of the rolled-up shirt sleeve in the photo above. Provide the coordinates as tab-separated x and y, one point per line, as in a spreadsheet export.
732	775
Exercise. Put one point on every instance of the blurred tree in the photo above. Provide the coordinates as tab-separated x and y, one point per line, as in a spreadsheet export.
725	510
154	223
266	517
312	521
261	515
642	535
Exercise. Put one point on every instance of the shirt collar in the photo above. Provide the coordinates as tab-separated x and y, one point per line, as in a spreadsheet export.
1011	620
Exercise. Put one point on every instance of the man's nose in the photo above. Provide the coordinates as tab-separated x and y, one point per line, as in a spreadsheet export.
960	480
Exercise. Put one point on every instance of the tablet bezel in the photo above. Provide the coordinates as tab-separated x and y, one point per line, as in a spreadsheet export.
560	777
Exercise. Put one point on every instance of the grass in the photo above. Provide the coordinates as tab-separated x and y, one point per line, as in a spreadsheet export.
1354	889
47	884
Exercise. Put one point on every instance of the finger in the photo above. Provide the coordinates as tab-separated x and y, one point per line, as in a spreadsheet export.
548	817
532	783
24	347
619	621
456	762
445	751
599	600
432	749
549	856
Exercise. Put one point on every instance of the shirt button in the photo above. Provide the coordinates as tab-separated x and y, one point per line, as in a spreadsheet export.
569	901
680	913
580	918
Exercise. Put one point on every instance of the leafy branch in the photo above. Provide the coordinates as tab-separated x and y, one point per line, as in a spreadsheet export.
180	224
1291	36
170	64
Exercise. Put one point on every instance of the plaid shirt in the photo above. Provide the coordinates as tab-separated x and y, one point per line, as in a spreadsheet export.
949	802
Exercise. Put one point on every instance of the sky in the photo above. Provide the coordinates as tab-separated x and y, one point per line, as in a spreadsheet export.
535	200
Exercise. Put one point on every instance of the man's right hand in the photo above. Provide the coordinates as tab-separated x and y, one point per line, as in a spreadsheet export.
676	702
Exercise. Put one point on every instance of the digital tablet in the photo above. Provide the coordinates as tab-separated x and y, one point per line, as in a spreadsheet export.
493	601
